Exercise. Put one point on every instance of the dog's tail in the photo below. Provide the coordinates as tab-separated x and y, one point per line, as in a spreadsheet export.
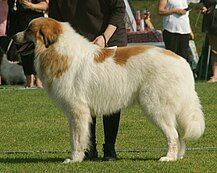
192	118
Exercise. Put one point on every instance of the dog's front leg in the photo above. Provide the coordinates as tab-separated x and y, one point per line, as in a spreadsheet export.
79	122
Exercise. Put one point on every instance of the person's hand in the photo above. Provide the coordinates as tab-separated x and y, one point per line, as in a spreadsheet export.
27	4
191	35
99	41
180	11
204	10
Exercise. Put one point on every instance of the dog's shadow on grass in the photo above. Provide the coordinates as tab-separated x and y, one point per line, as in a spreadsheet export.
30	160
139	159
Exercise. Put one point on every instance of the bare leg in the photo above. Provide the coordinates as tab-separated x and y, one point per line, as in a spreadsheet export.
38	82
29	81
214	68
212	41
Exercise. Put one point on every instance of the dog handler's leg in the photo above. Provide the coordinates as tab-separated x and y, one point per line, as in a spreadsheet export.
79	133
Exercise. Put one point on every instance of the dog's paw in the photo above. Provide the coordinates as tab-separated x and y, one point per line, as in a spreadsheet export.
67	161
180	156
167	159
76	157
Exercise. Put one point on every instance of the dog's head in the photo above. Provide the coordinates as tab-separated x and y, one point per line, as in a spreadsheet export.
41	31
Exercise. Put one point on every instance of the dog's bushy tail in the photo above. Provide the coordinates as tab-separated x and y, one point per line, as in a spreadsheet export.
192	118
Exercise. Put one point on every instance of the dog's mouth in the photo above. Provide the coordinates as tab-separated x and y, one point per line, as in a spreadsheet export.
26	48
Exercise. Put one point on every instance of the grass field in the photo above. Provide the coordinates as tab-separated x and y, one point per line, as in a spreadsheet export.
34	138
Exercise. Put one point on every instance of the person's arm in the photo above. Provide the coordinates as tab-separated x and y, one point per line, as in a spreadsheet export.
103	39
118	11
203	8
191	34
40	7
162	10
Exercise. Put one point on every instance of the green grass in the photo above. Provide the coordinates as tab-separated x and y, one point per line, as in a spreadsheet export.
195	19
31	123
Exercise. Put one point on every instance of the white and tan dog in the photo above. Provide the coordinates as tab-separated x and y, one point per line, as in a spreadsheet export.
84	79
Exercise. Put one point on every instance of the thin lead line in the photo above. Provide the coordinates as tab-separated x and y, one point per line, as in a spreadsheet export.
206	149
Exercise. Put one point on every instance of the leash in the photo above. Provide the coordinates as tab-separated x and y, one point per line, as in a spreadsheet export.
204	149
198	17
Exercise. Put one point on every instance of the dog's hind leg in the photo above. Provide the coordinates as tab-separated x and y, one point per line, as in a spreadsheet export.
79	121
164	120
182	148
173	141
161	111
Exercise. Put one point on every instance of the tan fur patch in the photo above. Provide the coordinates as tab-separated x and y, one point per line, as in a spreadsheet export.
46	30
170	53
53	64
121	54
105	53
124	53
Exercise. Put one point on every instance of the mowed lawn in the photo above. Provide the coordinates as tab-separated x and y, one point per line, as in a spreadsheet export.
34	138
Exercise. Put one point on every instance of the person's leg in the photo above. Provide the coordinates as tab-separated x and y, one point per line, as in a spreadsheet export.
170	41
183	47
29	81
92	152
26	63
111	124
213	41
38	82
214	67
29	70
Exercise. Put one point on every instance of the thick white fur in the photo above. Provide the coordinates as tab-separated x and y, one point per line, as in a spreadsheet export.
11	72
162	84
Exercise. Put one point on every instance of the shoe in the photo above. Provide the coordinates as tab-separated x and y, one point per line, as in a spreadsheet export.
91	154
212	80
109	153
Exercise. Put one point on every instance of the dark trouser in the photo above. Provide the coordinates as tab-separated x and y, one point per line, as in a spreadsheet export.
111	124
28	64
178	43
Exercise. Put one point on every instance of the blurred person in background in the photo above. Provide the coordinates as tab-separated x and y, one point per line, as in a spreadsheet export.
176	26
209	26
3	24
21	12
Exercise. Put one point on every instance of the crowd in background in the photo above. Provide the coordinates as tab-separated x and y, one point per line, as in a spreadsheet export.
16	14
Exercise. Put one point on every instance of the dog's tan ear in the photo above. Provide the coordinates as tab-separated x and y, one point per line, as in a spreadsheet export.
49	36
50	32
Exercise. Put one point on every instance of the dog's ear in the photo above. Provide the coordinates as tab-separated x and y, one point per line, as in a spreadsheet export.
49	36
